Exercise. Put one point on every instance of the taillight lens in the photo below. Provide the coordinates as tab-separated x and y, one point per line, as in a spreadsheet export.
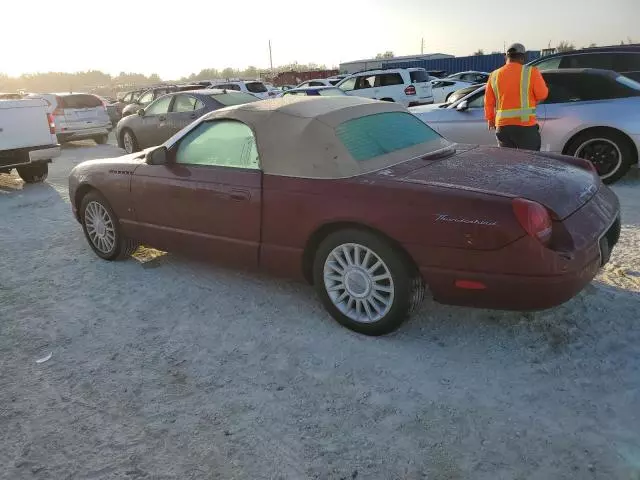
58	112
534	219
52	124
410	90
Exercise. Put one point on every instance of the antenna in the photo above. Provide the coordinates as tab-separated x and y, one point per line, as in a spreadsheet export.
270	57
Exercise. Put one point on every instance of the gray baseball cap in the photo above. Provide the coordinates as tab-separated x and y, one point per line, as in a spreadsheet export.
516	48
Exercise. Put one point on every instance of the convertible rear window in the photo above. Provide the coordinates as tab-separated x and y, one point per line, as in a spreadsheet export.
235	98
375	135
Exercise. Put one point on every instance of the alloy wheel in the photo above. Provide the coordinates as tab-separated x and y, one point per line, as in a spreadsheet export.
100	227
358	282
128	142
603	153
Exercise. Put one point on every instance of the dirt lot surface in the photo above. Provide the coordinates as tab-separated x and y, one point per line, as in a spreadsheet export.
171	369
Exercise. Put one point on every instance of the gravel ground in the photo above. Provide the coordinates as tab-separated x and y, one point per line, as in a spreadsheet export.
170	369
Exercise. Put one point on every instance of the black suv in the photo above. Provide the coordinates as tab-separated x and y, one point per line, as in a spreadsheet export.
624	59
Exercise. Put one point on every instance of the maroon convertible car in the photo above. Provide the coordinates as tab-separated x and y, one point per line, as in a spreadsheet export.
362	199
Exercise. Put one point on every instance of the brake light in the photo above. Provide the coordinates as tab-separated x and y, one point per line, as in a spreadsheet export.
58	112
410	90
52	124
534	219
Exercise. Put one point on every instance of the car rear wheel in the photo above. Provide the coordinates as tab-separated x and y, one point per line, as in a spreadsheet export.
34	172
365	283
129	141
608	151
102	229
101	139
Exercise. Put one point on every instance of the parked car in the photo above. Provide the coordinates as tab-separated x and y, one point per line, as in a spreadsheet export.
314	91
254	87
442	89
170	114
156	92
470	76
10	96
77	116
463	92
592	114
28	140
112	109
624	59
382	205
320	82
437	73
406	86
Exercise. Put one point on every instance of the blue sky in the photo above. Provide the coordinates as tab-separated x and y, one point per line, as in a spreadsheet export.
148	37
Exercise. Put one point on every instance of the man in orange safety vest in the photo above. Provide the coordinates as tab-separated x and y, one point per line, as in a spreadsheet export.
511	96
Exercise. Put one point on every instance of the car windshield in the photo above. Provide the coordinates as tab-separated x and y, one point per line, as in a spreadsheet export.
256	87
374	135
235	98
627	82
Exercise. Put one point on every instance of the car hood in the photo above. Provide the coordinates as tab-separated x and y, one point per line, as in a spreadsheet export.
552	180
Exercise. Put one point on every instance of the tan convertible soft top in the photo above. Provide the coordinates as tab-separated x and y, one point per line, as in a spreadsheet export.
296	135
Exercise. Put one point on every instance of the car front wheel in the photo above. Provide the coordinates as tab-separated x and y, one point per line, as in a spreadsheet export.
129	141
365	283
102	229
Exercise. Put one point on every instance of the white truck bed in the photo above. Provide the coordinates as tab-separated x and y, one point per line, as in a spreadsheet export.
24	124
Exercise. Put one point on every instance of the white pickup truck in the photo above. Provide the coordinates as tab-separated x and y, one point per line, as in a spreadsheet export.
28	139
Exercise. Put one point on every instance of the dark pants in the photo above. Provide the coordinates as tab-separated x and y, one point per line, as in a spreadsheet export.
523	138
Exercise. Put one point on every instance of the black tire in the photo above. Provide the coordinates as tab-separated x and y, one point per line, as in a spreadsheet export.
407	286
101	139
123	247
134	141
626	156
34	172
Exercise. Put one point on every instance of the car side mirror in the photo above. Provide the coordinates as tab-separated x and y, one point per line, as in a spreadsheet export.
141	112
463	106
157	156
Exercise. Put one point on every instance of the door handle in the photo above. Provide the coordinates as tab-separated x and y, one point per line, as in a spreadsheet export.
239	195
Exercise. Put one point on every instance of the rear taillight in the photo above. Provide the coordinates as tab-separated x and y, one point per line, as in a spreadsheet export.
58	112
410	90
52	124
534	219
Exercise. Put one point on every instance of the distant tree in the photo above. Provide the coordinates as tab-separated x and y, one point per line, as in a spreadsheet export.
565	46
629	41
496	51
479	52
591	45
155	78
250	72
228	73
387	54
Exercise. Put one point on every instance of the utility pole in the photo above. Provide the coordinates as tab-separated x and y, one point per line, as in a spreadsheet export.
270	57
422	46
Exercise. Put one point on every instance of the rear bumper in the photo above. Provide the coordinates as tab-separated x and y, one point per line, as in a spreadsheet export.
47	153
24	156
421	101
68	135
509	292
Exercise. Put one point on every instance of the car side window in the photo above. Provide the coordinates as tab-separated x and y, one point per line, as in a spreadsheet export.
159	107
303	84
388	79
477	101
223	143
588	60
316	84
626	62
349	84
549	64
365	82
561	89
183	103
146	98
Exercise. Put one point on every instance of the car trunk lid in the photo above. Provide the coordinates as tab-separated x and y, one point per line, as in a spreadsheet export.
558	185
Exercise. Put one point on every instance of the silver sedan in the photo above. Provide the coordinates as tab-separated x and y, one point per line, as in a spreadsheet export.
591	114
